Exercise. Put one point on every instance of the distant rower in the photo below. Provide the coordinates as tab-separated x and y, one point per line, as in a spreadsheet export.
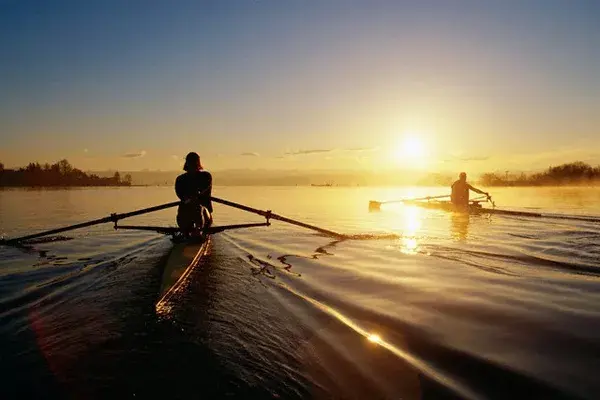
194	190
460	191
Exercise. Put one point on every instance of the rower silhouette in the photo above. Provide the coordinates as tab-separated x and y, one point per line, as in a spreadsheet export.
460	191
194	189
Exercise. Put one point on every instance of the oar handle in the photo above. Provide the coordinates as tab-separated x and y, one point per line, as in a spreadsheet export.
270	215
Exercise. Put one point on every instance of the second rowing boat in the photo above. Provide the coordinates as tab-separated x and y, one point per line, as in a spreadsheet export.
474	207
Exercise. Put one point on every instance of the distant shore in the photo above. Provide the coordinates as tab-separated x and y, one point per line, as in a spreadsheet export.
571	174
534	185
60	174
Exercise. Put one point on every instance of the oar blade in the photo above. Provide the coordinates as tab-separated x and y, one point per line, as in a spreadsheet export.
374	205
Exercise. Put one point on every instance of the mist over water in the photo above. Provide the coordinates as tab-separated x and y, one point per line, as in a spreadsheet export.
454	307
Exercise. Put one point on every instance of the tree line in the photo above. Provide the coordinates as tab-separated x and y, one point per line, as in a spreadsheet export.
61	173
575	173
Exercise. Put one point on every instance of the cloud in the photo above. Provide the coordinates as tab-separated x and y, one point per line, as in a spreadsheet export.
305	152
325	151
466	159
250	154
135	155
474	158
362	149
85	150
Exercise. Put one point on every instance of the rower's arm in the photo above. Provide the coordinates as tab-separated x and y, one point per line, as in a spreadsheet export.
207	190
478	191
179	189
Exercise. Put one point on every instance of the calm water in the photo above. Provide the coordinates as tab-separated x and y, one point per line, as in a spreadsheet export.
454	307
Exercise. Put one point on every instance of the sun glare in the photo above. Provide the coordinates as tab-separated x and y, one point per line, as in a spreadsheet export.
411	150
374	338
411	147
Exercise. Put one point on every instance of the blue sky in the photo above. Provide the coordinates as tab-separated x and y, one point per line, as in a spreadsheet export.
262	84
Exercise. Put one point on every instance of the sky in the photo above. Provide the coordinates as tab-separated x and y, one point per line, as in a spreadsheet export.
438	86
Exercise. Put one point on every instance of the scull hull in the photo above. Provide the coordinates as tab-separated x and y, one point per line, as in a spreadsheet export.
471	209
180	263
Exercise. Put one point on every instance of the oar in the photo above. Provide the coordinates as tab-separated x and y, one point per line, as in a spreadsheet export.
111	218
374	205
270	215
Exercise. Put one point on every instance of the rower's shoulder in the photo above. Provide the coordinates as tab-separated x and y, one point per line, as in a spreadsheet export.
180	177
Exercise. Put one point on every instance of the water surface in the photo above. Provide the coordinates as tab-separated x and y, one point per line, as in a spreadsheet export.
453	307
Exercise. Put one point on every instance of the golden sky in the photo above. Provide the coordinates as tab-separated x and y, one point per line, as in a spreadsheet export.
364	85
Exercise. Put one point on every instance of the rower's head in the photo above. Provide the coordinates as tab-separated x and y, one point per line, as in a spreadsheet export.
462	176
192	162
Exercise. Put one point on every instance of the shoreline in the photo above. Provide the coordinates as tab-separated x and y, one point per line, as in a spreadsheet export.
580	185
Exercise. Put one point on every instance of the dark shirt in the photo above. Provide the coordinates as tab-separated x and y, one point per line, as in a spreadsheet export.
460	193
195	185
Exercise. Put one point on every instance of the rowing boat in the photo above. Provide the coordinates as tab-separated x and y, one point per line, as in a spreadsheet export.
185	255
182	259
474	207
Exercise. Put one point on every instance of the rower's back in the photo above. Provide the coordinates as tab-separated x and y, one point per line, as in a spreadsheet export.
195	185
460	193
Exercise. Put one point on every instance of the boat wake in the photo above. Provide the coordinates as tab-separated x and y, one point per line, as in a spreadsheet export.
488	320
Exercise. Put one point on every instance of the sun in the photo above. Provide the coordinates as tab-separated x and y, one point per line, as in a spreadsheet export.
411	148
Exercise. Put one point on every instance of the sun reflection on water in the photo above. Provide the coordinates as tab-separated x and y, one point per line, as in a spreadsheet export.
411	222
374	338
409	245
412	219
